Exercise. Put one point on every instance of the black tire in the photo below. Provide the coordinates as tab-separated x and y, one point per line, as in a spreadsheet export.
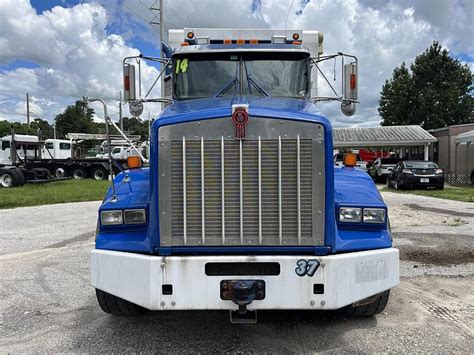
79	173
118	307
8	178
59	171
440	187
99	173
370	309
20	176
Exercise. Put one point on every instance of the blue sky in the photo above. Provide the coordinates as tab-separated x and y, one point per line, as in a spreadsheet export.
61	50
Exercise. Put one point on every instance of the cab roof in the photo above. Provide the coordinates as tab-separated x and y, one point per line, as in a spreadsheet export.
241	48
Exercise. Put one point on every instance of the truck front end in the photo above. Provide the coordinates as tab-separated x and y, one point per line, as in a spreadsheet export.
241	208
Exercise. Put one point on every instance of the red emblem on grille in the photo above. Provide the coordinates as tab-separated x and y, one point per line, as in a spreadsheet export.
240	118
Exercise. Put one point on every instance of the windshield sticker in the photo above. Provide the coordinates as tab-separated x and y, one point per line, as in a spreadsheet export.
182	65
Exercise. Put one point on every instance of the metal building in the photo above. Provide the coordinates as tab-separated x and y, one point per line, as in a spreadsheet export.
410	142
453	151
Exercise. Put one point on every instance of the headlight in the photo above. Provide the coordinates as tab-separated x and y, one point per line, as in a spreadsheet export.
350	214
136	216
374	215
108	218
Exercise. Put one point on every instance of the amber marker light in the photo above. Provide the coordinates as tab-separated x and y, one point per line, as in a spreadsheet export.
350	159
134	162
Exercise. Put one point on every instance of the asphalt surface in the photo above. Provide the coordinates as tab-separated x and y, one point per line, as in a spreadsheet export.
47	304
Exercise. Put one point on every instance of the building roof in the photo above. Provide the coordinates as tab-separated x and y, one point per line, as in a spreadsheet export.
465	138
463	125
384	136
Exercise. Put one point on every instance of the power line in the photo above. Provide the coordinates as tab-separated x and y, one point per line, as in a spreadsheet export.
287	14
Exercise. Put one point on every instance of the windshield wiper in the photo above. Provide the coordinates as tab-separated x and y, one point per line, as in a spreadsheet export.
252	81
227	87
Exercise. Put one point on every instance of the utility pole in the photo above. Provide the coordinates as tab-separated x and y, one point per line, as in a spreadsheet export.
120	112
162	32
54	130
28	109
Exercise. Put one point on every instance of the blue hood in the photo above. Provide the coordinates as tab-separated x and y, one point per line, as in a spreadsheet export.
285	108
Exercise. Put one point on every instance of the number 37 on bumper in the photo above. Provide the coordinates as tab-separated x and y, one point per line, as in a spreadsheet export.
306	267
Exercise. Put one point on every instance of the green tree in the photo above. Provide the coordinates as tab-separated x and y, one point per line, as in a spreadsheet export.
136	126
77	118
437	92
42	128
396	98
37	126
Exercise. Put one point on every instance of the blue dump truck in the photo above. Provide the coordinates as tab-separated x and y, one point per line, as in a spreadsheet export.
241	207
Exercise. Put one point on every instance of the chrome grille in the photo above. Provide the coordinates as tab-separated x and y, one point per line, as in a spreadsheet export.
259	191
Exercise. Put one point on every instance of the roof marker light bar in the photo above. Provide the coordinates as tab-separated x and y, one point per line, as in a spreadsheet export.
203	40
276	39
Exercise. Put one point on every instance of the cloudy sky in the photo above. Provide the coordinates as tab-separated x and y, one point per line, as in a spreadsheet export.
61	50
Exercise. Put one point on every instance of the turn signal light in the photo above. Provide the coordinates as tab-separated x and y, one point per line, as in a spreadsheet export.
353	81
350	160
227	41
254	41
190	35
134	162
240	41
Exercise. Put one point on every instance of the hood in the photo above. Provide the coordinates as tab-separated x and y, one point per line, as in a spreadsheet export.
196	109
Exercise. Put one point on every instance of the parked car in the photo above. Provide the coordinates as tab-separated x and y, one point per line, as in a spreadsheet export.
382	167
416	174
360	164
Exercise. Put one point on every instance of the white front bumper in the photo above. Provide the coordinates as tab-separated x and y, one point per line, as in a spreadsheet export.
347	278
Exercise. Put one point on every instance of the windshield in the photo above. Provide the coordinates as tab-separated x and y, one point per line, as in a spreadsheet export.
250	74
420	164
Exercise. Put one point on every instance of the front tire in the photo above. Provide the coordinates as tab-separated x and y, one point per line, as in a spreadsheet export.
369	309
8	178
117	306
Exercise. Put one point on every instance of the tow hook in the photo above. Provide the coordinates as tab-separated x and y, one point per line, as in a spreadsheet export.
242	293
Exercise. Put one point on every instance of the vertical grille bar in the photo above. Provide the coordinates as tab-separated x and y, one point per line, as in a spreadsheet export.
202	194
280	229
185	237
222	190
298	185
241	197
259	190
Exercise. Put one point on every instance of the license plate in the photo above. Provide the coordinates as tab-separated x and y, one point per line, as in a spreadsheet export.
424	180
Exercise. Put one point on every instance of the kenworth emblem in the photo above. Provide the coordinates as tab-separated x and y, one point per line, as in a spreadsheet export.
240	118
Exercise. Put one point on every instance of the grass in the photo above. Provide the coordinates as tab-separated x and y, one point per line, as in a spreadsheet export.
54	192
457	193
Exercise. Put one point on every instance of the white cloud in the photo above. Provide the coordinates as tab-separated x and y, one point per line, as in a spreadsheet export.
79	56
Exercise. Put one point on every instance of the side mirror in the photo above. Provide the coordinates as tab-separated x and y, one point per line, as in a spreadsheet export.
350	81
129	82
348	105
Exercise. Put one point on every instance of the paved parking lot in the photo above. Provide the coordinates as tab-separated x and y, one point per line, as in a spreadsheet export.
47	304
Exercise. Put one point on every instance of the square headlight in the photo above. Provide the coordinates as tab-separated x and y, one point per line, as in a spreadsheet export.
374	215
350	214
135	216
112	217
